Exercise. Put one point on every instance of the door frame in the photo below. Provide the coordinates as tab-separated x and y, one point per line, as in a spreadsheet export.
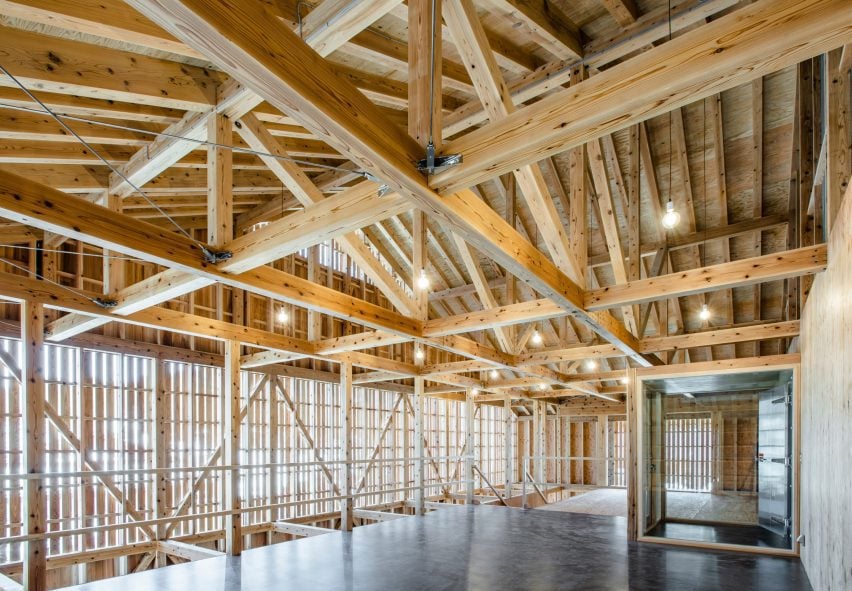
635	423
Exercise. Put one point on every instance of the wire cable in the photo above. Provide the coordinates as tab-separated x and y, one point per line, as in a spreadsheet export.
102	302
89	147
84	254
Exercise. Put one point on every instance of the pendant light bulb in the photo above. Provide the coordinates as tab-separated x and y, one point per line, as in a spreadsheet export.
493	374
423	280
419	354
591	364
671	218
474	392
536	339
542	386
283	316
625	380
704	314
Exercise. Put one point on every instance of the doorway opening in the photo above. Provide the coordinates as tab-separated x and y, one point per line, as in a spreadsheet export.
717	455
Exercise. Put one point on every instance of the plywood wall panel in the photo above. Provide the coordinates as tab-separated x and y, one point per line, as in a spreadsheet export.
826	483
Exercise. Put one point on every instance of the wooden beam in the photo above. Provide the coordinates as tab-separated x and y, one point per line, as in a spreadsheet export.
54	65
48	209
758	332
624	12
492	90
793	263
551	28
298	82
333	22
755	40
262	246
299	529
186	551
474	270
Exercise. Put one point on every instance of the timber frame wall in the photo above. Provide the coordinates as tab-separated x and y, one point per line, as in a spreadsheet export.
239	425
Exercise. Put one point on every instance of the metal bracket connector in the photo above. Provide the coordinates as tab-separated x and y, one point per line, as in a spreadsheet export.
106	303
433	163
215	256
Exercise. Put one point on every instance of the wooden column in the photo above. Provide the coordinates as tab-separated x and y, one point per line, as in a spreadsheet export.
161	407
417	402
470	452
420	71
600	451
346	505
507	451
632	455
314	317
839	127
220	174
578	196
406	447
418	238
231	396
539	420
33	509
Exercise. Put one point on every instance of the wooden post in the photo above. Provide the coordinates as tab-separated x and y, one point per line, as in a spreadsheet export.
469	450
220	174
600	451
33	396
507	451
538	441
419	492
231	415
406	449
346	505
418	236
632	455
839	149
161	407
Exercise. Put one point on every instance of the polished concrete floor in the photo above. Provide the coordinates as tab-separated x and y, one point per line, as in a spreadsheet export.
476	547
747	535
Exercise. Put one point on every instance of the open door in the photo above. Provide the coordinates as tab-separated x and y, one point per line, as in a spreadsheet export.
774	459
654	450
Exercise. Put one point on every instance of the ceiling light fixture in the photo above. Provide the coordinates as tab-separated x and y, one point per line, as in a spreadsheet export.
474	392
671	218
423	280
542	386
591	364
419	354
494	374
625	380
536	338
704	314
283	316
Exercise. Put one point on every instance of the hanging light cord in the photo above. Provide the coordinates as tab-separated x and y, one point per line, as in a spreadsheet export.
102	302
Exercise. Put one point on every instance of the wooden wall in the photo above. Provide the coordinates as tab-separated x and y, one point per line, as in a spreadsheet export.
826	348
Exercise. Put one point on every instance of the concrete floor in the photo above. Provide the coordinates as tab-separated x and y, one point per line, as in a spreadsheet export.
476	547
741	509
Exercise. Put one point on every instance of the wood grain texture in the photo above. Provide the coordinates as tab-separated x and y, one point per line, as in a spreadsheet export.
826	407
